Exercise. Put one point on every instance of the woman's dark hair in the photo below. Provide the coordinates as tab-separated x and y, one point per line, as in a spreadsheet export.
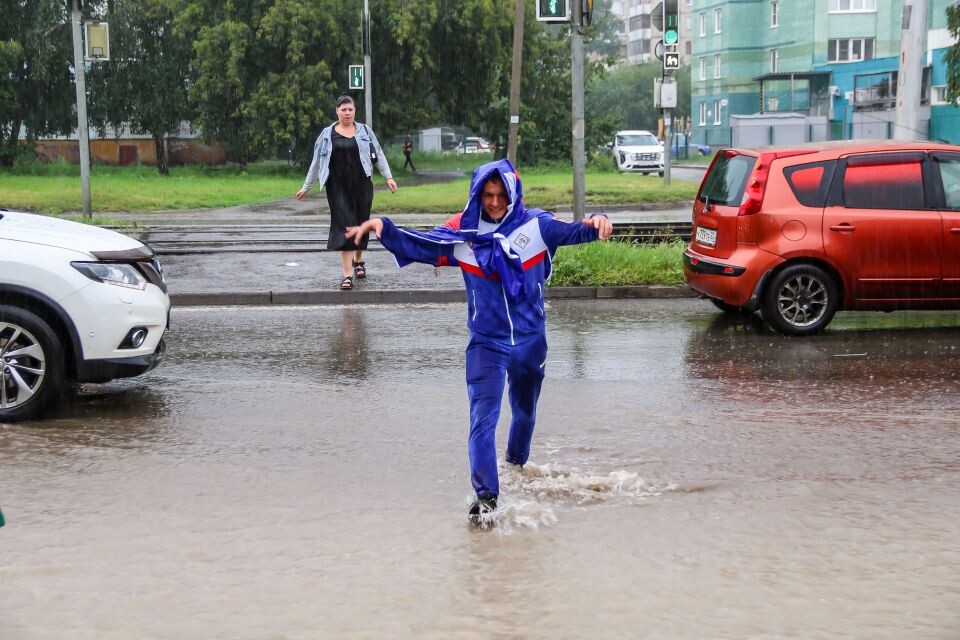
345	98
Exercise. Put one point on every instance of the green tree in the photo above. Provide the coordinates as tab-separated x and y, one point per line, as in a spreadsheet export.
143	87
952	55
624	97
36	79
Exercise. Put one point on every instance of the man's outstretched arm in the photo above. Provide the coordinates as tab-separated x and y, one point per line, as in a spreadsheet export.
434	247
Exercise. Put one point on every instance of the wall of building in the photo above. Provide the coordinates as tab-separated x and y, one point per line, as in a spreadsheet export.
133	151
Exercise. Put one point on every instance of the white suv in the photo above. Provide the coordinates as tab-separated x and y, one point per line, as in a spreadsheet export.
638	151
77	304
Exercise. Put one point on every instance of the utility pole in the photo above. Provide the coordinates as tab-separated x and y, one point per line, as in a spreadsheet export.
514	128
576	75
913	33
368	78
81	84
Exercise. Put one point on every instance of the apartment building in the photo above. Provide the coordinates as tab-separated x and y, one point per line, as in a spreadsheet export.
833	62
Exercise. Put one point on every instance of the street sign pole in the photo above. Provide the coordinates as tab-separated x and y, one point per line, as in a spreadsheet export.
513	129
368	81
576	73
81	84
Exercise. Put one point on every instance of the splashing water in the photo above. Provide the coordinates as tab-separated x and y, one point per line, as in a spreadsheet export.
530	494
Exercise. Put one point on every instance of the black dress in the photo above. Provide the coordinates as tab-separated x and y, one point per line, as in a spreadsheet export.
349	193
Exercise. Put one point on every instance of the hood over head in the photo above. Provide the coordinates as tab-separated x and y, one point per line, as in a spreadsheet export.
492	248
516	212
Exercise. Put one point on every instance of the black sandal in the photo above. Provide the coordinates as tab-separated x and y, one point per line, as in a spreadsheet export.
359	270
347	283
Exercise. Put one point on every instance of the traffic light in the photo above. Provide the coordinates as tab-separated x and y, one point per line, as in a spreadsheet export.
553	10
587	12
671	22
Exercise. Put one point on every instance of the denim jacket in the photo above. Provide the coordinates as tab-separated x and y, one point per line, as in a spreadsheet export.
320	167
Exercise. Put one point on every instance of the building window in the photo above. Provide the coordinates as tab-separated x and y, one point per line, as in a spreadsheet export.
853	5
703	24
849	49
703	69
703	114
689	3
716	112
637	48
774	16
717	21
774	61
716	66
688	47
686	25
939	94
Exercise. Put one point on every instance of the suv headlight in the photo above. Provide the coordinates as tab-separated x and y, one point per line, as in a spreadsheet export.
122	275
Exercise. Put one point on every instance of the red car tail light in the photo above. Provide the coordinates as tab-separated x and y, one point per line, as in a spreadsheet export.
753	194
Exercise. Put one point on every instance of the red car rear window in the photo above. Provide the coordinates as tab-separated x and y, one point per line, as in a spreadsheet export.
726	180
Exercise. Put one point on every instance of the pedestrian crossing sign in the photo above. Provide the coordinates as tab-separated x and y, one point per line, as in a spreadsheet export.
356	76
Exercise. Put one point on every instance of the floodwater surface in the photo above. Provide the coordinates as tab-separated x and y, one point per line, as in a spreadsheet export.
300	473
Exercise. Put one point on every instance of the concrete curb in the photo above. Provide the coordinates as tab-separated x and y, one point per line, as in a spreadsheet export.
410	296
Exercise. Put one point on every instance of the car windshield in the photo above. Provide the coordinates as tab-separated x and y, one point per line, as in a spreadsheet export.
636	140
726	181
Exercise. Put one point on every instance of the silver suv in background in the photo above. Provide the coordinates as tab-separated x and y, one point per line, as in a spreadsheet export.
638	150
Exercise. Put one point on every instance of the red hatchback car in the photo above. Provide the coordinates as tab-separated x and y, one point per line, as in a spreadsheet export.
804	232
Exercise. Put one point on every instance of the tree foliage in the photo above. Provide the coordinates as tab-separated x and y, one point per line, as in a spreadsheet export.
36	79
143	87
952	56
261	76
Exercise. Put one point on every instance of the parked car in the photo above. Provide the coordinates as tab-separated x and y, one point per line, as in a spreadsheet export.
683	147
77	304
801	233
638	151
472	144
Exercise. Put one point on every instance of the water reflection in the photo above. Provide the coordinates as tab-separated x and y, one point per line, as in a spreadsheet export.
347	346
871	361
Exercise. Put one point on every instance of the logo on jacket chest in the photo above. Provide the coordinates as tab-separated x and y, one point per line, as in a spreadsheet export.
521	241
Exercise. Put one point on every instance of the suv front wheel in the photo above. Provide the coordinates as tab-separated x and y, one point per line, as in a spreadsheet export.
800	300
31	365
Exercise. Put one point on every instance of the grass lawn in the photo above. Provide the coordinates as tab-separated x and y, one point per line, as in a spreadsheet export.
55	188
616	263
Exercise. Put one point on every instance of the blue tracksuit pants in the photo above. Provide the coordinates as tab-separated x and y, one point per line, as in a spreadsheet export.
489	362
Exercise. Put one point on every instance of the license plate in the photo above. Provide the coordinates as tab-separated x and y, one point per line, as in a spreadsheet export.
707	236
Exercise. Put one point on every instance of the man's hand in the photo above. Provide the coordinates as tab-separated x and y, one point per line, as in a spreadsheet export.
601	224
355	233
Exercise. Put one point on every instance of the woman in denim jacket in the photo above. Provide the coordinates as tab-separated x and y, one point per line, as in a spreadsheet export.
343	159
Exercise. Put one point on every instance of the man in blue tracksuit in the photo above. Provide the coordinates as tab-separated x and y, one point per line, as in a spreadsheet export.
505	252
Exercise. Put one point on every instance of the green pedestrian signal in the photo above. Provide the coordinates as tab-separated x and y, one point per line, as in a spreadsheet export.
553	10
671	22
355	75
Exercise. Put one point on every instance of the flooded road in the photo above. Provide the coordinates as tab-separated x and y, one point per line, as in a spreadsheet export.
301	472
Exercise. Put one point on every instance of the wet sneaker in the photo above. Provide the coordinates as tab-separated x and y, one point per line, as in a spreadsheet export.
481	510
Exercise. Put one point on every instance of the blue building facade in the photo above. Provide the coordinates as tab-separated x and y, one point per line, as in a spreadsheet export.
833	59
